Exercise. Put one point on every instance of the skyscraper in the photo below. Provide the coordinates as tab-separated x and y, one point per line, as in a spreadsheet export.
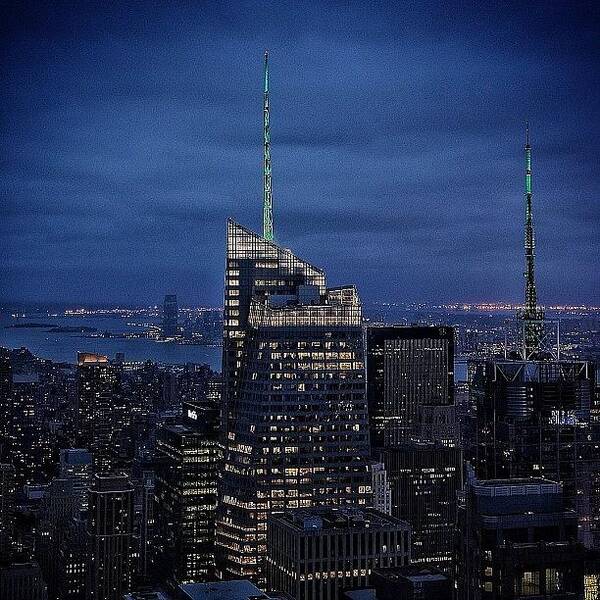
109	530
295	405
27	441
534	416
314	554
170	316
96	389
59	506
76	464
188	458
22	581
7	507
517	540
407	368
257	269
425	479
533	420
5	401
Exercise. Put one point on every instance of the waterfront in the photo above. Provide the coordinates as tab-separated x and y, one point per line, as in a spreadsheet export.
63	347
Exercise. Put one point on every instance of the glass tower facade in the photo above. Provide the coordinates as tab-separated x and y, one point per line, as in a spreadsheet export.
295	407
407	368
188	457
534	419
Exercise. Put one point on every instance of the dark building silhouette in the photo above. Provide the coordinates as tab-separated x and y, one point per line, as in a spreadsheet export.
407	368
188	461
76	465
411	582
424	479
22	581
27	442
7	507
109	531
317	553
60	504
533	420
5	401
97	386
72	561
517	540
146	514
170	316
295	412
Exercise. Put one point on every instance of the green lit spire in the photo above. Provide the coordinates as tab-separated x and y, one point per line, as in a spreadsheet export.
530	291
532	314
267	182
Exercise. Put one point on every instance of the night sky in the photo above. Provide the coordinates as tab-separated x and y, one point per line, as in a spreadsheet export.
129	135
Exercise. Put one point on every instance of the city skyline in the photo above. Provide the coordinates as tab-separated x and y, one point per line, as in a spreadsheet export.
295	303
172	147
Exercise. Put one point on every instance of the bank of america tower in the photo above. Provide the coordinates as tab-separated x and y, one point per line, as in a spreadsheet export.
295	409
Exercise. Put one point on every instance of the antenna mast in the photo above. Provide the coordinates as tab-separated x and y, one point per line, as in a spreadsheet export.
267	183
532	314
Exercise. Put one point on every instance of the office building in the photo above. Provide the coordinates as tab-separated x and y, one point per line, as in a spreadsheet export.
188	461
437	424
407	368
411	582
425	479
223	590
317	553
27	442
382	492
170	316
7	506
5	401
22	581
59	505
145	512
109	531
97	386
533	420
517	540
71	562
76	465
295	412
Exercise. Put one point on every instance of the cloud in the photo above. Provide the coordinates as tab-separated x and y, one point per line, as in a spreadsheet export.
131	133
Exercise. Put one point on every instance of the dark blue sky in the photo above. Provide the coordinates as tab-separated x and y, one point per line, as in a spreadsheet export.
130	134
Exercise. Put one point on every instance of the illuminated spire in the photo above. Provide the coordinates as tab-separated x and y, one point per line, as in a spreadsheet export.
267	183
532	314
530	291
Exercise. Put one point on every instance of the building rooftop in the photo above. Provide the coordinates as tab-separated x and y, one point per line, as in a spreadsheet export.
22	378
154	595
364	594
414	573
75	456
89	358
516	487
110	482
239	589
328	518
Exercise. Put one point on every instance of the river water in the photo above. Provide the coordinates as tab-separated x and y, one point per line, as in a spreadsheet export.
63	347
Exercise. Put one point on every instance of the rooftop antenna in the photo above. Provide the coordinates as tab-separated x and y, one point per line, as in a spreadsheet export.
267	183
532	314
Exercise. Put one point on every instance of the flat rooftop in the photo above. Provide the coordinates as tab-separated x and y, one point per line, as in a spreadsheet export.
338	518
516	487
239	589
414	573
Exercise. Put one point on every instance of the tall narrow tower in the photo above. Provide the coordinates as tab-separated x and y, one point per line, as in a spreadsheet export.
532	314
267	183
